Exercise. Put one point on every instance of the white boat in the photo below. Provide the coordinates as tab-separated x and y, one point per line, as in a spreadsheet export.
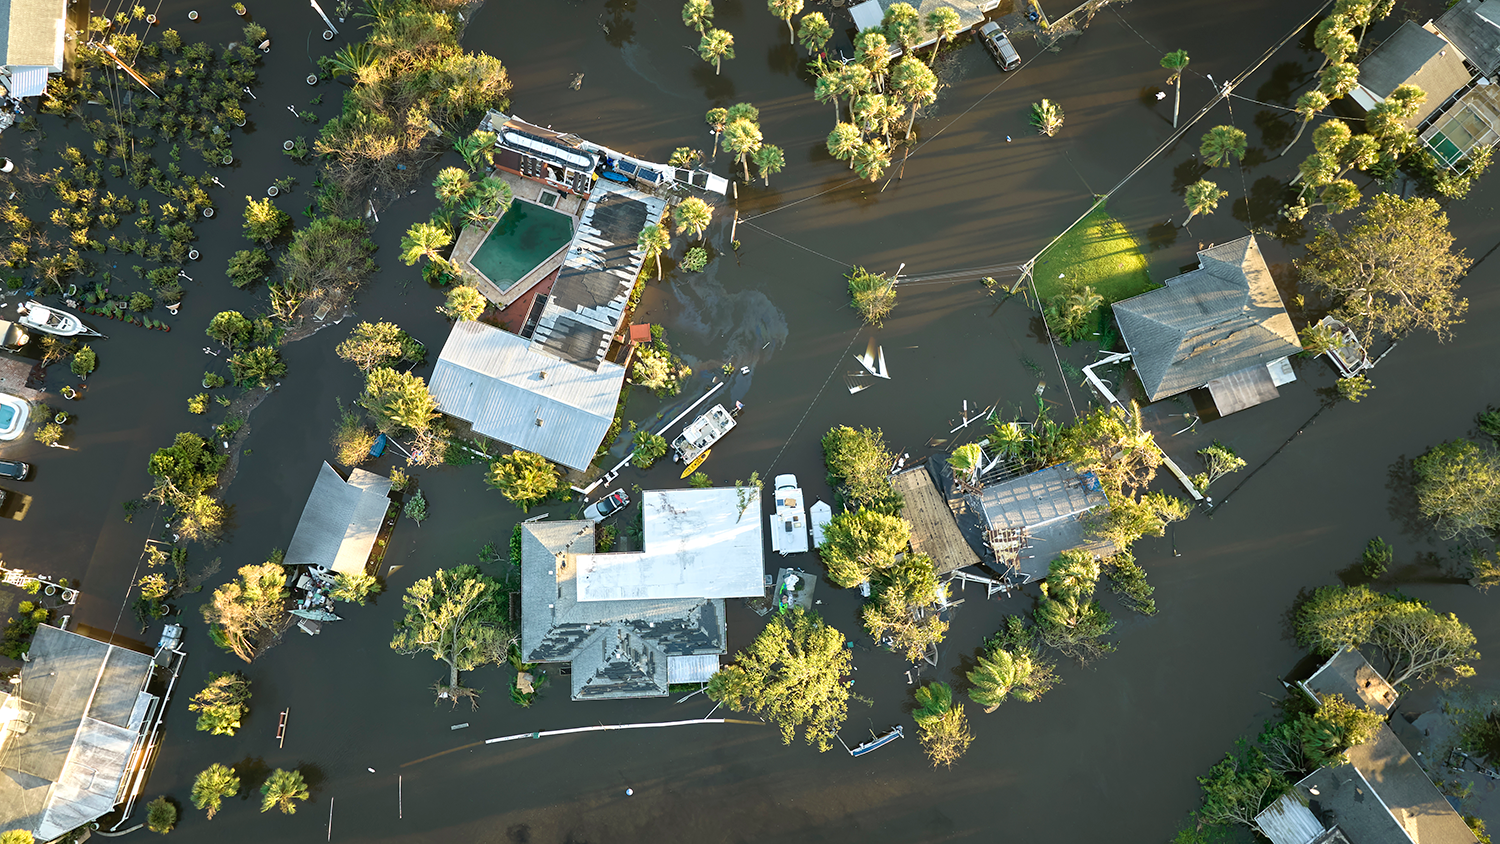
821	514
789	522
873	360
701	433
53	320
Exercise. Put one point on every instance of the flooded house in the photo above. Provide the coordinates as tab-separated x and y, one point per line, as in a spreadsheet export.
1221	327
32	45
630	624
1381	795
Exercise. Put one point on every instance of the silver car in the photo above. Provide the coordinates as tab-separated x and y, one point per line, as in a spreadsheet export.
1001	50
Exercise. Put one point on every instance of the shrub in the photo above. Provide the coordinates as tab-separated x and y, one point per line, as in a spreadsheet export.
352	440
523	477
161	815
248	266
695	259
649	448
198	404
84	362
872	295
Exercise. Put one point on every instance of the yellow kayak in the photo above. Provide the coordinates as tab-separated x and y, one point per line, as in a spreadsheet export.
697	461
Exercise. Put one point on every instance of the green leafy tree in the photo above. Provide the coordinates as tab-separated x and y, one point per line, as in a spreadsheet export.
264	222
1067	616
523	477
859	465
161	815
458	616
354	587
716	46
1011	668
698	14
398	400
1308	106
902	26
1394	272
1458	489
372	344
464	303
906	607
769	159
416	508
189	467
1202	198
249	612
215	783
943	727
873	51
1218	460
717	119
786	10
230	329
257	367
1221	143
692	214
18	836
282	790
352	439
330	254
84	362
1239	787
1175	61
1068	315
1354	388
813	32
1336	617
860	544
652	242
943	22
222	704
1417	642
792	676
248	266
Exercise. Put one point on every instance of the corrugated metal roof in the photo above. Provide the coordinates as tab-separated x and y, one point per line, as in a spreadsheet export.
1210	322
1287	821
692	669
340	521
31	33
510	392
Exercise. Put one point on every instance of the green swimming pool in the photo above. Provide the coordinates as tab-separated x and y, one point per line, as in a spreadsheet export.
525	236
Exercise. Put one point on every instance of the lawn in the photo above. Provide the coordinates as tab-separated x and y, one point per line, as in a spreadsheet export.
1098	252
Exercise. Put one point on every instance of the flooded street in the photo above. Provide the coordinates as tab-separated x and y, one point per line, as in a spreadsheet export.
1110	755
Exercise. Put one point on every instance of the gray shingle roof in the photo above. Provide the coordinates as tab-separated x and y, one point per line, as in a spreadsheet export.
588	300
340	521
1419	57
1348	673
31	33
1210	322
87	706
494	380
1474	27
618	648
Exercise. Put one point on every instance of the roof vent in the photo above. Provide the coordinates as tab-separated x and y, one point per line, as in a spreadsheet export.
539	421
542	376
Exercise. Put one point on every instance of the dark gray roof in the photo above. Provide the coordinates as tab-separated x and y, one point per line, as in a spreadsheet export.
1249	387
1210	322
340	521
1474	27
588	300
86	706
1419	57
509	391
1345	802
618	648
1348	673
31	33
1404	788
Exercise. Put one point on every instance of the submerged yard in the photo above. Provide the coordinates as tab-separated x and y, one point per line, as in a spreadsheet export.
1099	253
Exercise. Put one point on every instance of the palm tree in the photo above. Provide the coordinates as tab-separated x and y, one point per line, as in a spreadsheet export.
770	159
814	32
282	790
352	59
1308	106
942	22
423	240
1338	79
1047	117
716	46
1333	38
698	14
903	25
1202	198
914	84
213	785
844	141
494	193
1175	61
716	118
786	9
452	185
742	137
692	213
744	111
653	241
1220	143
852	80
872	50
1003	675
871	159
826	89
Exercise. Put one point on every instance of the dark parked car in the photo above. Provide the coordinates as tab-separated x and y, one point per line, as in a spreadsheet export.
15	470
1001	50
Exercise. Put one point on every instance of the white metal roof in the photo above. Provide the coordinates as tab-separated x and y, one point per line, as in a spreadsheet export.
699	544
340	521
696	668
532	401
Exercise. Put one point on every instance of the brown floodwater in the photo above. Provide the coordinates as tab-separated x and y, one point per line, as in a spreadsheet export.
1109	755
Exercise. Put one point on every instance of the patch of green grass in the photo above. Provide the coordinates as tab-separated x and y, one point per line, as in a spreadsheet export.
1098	252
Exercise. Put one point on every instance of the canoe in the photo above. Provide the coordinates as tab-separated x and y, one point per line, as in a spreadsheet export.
697	461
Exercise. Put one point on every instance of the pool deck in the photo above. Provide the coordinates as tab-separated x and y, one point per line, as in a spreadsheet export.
471	238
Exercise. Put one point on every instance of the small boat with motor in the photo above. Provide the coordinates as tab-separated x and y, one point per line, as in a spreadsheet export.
701	433
53	320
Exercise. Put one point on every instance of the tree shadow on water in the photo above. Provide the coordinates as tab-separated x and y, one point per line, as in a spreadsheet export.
1258	210
1275	129
1187	173
783	60
1285	78
1401	480
314	776
252	771
618	29
715	87
1161	235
